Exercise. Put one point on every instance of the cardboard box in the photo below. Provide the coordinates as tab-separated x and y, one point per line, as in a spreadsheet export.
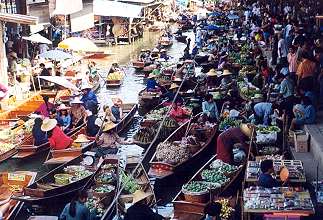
301	141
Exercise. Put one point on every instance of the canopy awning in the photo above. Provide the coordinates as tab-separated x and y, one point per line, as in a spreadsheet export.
116	9
37	38
67	7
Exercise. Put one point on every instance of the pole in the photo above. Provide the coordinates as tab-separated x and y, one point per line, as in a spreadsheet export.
3	58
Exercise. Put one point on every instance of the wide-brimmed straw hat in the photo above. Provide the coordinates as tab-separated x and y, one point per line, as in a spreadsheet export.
173	86
163	50
108	126
155	50
116	100
76	100
212	72
150	76
63	107
177	80
86	85
48	124
81	138
247	129
139	195
226	73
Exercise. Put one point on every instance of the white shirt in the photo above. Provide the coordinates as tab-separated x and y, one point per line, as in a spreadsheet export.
43	48
282	48
288	28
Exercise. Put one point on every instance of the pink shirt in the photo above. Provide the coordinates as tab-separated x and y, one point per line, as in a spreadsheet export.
44	110
3	89
292	60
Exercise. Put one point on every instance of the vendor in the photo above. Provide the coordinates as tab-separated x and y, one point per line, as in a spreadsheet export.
212	211
304	113
163	54
64	117
45	108
154	54
211	78
140	209
227	82
92	127
227	139
78	112
263	111
109	115
109	140
56	137
114	68
116	109
88	94
152	85
40	137
210	109
170	95
265	178
179	113
76	209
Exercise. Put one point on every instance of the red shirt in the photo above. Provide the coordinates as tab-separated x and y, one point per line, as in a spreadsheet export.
59	140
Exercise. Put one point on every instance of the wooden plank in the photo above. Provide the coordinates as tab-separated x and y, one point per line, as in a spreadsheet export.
18	18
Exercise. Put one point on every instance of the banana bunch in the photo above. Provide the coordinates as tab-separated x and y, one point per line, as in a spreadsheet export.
115	76
226	209
145	135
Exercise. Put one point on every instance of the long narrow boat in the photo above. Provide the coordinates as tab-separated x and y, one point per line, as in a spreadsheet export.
148	100
27	149
62	156
194	210
115	79
12	183
46	189
162	169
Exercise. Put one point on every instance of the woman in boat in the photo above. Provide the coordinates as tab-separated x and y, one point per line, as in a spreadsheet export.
109	140
76	209
45	108
154	54
227	139
92	128
88	94
212	211
179	114
114	68
56	137
210	109
212	79
78	112
163	54
170	95
140	209
40	137
152	85
265	178
116	109
64	117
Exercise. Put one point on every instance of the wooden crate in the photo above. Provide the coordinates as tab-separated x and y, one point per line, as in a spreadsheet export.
301	141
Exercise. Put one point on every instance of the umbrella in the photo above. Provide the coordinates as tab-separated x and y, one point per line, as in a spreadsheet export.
78	44
55	55
233	17
62	81
37	38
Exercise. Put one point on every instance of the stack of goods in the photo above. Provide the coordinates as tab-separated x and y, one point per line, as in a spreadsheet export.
295	170
72	173
319	193
248	91
268	150
129	183
226	210
144	135
115	76
172	152
215	177
157	114
277	199
266	134
102	192
228	122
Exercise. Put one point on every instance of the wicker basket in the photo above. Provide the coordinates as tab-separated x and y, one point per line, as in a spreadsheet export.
106	197
62	178
201	197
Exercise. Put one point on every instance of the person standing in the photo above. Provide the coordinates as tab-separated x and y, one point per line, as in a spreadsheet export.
282	51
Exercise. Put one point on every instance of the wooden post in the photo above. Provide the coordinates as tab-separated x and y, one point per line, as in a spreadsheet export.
3	58
129	30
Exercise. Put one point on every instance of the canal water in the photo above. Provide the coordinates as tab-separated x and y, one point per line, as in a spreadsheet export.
128	92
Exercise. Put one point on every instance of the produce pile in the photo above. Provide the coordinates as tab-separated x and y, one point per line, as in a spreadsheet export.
129	183
115	76
145	135
195	187
95	206
216	178
77	173
228	122
267	129
226	210
249	91
172	153
157	114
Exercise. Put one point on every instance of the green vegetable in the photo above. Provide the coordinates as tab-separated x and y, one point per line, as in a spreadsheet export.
195	186
130	184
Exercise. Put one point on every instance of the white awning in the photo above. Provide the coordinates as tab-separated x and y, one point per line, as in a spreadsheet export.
67	7
116	9
139	1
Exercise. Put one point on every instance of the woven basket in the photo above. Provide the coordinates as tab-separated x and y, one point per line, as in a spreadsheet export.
201	197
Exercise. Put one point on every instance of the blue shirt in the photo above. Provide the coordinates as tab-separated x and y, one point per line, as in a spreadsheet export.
91	128
90	96
286	88
311	95
116	112
82	212
40	137
310	114
263	110
65	121
151	84
210	108
267	181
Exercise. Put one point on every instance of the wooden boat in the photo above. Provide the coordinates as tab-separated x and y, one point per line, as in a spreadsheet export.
166	41
148	100
45	189
27	149
137	64
62	156
161	169
195	210
12	183
114	79
22	108
142	179
181	38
